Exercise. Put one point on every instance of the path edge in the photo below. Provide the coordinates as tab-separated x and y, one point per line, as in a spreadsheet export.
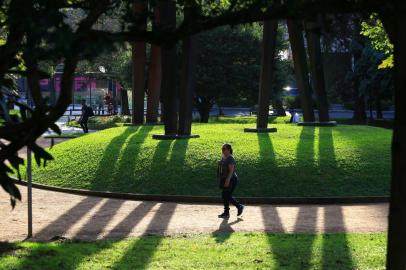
210	199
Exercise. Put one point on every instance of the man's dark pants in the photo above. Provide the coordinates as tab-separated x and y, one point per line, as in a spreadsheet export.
227	195
83	124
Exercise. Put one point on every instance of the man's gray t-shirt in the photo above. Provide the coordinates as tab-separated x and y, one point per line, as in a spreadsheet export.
224	162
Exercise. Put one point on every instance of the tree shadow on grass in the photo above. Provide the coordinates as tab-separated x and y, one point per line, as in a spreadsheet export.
60	257
167	163
120	231
306	222
266	151
103	176
176	164
305	147
266	164
272	225
127	163
139	254
306	219
337	254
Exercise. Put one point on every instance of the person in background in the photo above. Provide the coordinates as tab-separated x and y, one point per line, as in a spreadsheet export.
87	112
292	113
228	181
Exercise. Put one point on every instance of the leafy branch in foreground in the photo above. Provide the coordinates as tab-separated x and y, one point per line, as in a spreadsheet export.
33	32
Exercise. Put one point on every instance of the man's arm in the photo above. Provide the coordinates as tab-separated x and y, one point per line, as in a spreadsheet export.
230	174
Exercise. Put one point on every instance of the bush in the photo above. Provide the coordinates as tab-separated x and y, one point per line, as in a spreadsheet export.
103	122
292	102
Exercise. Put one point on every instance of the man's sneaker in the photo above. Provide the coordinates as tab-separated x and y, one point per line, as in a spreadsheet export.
240	210
224	215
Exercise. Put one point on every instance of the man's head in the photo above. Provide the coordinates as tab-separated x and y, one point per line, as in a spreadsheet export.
83	101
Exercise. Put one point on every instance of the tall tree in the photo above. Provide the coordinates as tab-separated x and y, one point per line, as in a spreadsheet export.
358	96
168	51
268	51
155	76
301	71
316	67
139	59
187	85
394	22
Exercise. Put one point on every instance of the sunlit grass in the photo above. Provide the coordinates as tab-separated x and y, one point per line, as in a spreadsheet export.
223	251
295	161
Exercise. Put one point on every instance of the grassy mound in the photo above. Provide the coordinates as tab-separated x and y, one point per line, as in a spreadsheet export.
217	251
296	161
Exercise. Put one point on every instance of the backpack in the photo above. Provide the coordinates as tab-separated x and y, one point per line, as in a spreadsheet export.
89	111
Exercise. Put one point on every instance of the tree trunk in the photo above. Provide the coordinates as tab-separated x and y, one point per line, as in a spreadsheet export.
168	52
204	105
317	71
278	105
371	109
396	257
138	58
267	71
155	78
124	102
378	106
52	91
187	86
301	71
360	115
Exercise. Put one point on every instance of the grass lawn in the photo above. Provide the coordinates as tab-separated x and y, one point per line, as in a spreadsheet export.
217	251
295	161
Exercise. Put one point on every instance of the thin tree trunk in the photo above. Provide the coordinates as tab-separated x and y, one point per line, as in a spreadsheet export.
371	109
169	93
360	115
267	71
124	102
138	58
378	104
278	105
204	105
316	67
301	71
52	91
155	78
187	86
396	256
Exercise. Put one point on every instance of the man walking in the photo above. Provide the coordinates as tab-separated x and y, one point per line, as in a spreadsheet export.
87	112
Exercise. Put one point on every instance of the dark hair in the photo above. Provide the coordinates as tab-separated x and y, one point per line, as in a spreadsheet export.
229	147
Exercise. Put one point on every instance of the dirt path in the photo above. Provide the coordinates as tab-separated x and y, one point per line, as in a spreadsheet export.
73	216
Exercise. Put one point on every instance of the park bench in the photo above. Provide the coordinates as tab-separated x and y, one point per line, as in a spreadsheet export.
52	137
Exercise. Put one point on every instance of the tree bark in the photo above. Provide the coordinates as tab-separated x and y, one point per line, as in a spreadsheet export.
187	86
124	102
204	105
278	105
378	104
138	58
52	94
360	115
169	93
317	71
155	78
267	71
301	71
396	256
